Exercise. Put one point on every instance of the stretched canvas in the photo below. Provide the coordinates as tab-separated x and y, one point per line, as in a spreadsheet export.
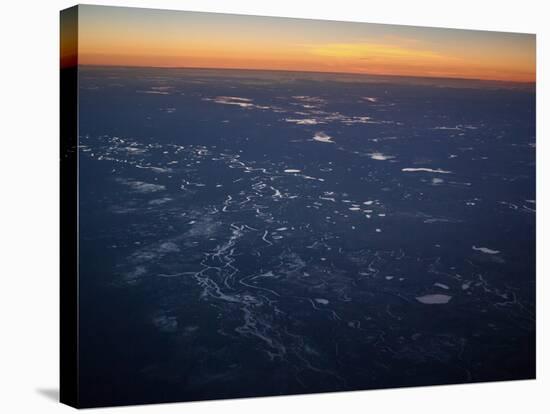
259	206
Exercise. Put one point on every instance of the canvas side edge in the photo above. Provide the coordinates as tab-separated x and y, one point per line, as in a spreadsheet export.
68	100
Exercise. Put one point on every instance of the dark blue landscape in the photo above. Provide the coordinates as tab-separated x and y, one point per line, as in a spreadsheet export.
251	233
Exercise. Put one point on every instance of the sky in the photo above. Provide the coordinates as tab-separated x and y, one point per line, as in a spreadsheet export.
159	38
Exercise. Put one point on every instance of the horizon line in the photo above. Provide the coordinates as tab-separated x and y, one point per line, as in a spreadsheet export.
525	83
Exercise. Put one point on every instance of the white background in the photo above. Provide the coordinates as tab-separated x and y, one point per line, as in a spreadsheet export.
29	205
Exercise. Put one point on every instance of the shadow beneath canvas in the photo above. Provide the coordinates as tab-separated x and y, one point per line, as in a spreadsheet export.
49	393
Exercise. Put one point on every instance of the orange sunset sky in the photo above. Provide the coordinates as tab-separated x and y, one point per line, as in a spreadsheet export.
160	38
